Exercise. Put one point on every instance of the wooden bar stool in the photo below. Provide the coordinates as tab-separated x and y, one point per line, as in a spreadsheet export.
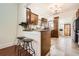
28	46
20	45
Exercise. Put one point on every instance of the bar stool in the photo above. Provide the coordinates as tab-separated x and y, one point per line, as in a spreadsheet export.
20	45
25	44
28	45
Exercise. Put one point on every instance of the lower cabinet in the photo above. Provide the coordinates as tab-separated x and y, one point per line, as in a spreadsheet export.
45	42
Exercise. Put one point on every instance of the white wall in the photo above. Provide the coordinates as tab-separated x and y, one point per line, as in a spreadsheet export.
21	18
8	24
67	18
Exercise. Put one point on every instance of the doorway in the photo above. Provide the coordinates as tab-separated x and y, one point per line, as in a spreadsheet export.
67	29
54	32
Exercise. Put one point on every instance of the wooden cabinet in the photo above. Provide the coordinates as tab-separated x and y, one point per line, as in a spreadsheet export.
45	42
77	13
34	18
28	15
31	17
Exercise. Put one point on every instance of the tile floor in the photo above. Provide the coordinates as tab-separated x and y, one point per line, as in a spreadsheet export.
63	46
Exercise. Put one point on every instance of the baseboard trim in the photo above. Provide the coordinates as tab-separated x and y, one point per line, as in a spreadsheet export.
4	45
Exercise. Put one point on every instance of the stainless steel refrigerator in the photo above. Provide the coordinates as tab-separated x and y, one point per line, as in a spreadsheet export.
76	30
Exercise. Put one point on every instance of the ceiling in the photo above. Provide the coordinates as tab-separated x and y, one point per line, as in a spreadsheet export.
46	6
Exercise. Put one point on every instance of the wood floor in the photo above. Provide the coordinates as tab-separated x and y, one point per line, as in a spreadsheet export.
12	51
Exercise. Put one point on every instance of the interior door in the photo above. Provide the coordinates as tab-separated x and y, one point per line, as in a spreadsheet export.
54	32
67	29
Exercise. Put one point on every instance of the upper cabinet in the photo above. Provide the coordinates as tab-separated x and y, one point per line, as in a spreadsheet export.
28	15
77	13
31	17
34	18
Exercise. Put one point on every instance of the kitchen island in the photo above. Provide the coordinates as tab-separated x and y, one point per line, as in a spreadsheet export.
41	41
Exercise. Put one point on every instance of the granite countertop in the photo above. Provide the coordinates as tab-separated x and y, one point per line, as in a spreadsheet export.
42	30
39	30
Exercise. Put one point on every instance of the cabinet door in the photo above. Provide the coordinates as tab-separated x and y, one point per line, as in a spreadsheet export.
45	42
28	15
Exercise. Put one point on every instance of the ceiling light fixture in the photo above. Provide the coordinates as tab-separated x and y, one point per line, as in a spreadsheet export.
55	8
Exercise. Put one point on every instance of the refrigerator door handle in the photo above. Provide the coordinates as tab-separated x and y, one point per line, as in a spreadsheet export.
74	25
